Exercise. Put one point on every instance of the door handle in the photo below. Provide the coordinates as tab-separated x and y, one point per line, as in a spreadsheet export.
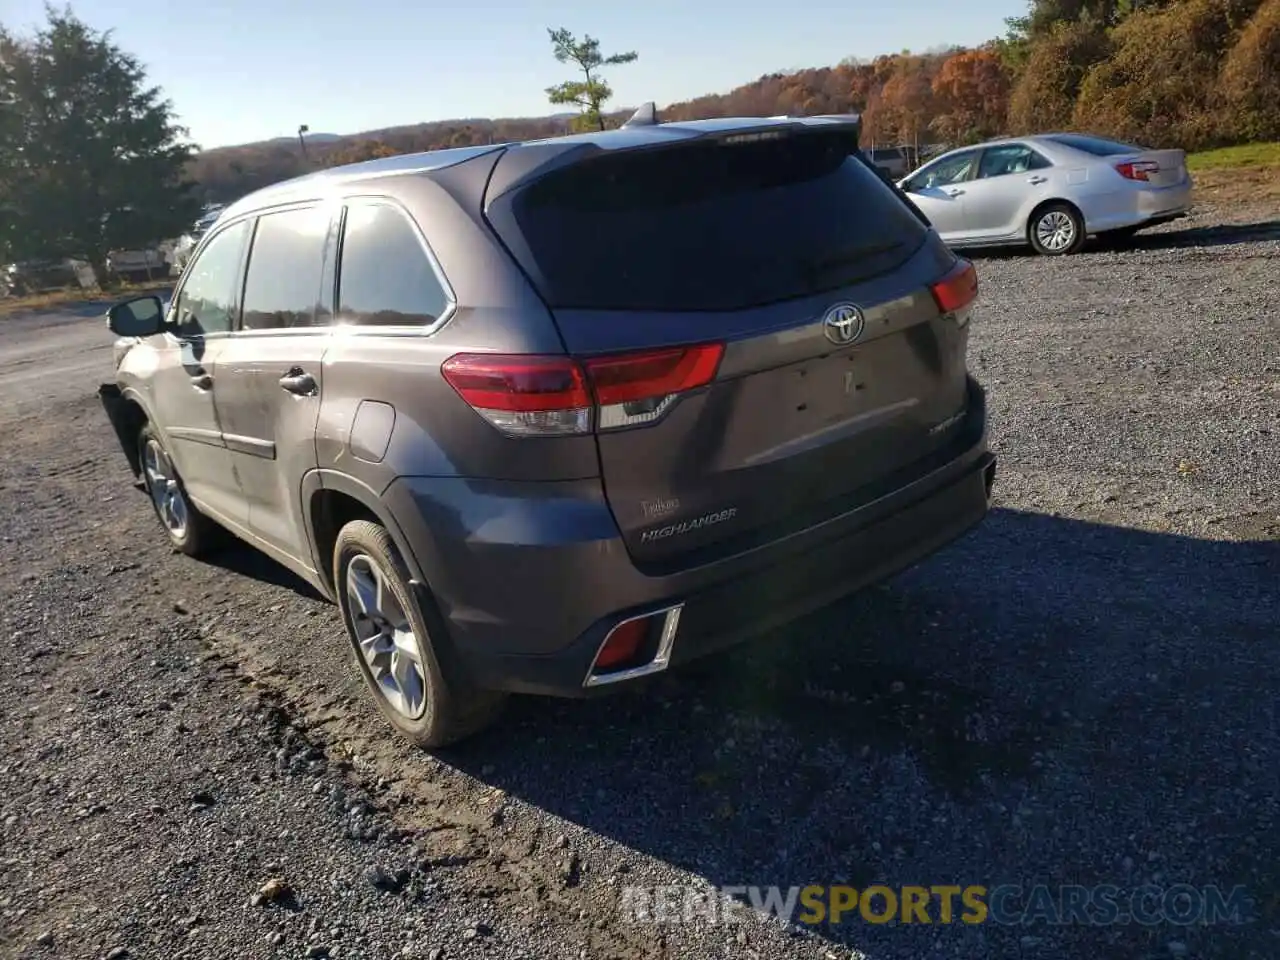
202	381
954	193
1036	179
300	382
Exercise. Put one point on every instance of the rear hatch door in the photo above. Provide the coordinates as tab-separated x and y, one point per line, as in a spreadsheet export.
790	287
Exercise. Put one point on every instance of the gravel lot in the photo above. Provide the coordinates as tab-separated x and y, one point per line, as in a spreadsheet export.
1080	692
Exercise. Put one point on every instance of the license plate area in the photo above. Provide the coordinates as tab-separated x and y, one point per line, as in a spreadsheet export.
831	389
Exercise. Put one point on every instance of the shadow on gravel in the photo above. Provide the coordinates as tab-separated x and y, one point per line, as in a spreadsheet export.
1217	235
1105	677
242	559
1221	235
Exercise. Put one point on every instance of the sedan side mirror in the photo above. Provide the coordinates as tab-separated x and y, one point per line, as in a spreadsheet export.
140	317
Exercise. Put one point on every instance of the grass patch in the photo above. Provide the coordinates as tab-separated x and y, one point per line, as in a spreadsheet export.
1233	158
1243	176
48	299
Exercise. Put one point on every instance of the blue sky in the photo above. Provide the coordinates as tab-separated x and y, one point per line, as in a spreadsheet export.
243	70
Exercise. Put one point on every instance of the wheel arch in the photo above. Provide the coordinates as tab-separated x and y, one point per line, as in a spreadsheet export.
331	499
1043	205
128	415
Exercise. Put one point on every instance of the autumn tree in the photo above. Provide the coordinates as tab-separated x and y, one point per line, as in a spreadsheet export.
1043	16
971	90
591	92
906	100
93	159
361	151
1157	85
1044	97
1249	79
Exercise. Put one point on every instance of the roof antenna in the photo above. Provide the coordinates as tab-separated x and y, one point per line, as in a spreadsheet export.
646	116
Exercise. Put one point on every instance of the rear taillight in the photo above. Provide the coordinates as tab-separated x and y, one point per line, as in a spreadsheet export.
557	396
957	289
523	395
638	388
1137	169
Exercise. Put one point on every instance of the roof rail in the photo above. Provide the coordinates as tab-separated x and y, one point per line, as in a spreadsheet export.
646	116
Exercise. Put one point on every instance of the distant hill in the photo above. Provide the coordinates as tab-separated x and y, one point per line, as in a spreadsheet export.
226	173
311	138
1177	73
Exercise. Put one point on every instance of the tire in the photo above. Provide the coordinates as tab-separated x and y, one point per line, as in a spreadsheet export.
195	535
390	623
1056	230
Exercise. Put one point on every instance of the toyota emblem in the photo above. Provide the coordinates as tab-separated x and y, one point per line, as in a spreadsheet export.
843	324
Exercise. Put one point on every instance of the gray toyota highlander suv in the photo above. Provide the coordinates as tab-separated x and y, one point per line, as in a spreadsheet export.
551	416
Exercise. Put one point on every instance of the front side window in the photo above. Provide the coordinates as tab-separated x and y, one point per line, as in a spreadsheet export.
207	301
385	277
1010	158
943	173
283	286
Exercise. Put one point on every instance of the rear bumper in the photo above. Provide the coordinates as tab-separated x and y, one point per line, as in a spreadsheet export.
531	578
1139	207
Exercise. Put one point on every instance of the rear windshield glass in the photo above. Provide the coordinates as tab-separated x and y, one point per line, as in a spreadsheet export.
713	225
1095	145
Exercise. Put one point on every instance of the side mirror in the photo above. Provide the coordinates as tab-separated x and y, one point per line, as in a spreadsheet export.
140	317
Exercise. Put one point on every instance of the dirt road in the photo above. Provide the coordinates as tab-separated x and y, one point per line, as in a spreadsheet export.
1082	692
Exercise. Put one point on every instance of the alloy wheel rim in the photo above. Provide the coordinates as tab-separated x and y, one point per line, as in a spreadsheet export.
385	638
1056	230
166	492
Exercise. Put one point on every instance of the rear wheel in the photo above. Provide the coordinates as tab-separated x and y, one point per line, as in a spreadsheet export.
189	530
389	634
1056	229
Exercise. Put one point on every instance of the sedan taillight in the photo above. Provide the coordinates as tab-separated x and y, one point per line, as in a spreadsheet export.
1137	169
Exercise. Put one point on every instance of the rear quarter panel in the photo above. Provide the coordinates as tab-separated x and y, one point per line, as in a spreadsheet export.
434	432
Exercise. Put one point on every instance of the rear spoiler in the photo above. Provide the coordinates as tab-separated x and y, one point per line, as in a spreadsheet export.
522	163
647	116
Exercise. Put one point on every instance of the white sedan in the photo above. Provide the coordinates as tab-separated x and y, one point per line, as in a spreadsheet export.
1050	191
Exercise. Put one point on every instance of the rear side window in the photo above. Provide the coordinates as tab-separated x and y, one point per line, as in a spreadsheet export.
1097	146
282	286
386	277
1009	158
710	225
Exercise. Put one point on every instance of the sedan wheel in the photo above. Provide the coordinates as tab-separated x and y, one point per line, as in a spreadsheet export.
1057	230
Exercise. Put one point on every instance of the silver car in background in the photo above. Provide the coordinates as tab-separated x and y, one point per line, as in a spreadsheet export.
1050	191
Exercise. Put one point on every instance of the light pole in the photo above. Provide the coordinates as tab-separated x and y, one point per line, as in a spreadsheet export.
302	144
